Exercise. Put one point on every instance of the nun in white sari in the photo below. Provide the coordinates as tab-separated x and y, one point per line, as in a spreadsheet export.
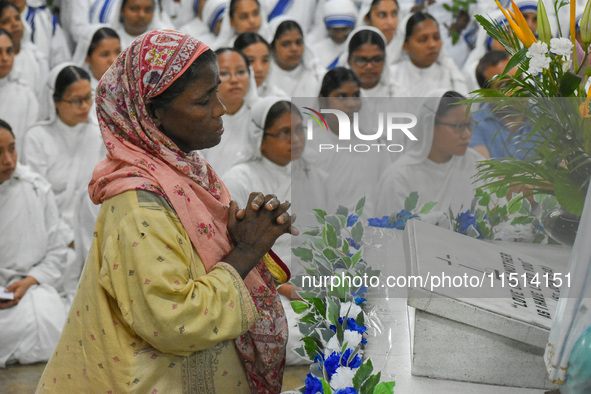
97	49
238	93
424	66
339	21
294	68
33	261
301	11
275	167
109	12
208	27
18	104
66	146
439	165
366	55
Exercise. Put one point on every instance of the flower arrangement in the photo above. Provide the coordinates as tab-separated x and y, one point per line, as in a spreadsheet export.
334	325
552	79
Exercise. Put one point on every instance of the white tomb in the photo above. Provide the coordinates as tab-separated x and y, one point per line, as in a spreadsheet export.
483	311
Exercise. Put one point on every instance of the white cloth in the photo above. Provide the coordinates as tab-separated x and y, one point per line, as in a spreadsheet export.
66	157
18	107
30	66
47	35
268	90
234	142
411	81
180	12
303	12
74	18
302	81
31	245
385	86
327	51
204	29
449	184
573	314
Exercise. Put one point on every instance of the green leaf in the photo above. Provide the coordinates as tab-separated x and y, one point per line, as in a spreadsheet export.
304	254
522	220
514	205
515	61
371	383
299	306
426	208
359	206
331	236
357	232
484	200
410	202
568	84
330	254
341	210
334	221
385	388
313	232
309	318
332	313
319	305
318	242
345	248
356	257
325	386
301	352
311	347
362	374
320	214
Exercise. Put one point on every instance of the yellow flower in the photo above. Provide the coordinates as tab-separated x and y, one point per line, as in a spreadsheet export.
584	107
518	24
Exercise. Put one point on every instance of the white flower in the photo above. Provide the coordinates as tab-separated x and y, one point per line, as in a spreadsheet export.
342	378
537	49
566	65
561	46
537	64
332	345
353	312
351	338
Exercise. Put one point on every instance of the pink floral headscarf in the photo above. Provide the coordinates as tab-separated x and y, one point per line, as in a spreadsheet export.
141	157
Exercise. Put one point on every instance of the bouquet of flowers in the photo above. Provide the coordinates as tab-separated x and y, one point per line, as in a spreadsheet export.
334	325
551	76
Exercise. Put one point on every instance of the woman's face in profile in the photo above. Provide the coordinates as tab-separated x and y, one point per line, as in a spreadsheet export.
247	17
10	20
424	44
6	56
137	15
75	104
103	56
289	49
259	57
193	120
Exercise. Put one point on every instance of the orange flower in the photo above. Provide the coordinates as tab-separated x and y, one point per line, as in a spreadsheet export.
584	107
518	24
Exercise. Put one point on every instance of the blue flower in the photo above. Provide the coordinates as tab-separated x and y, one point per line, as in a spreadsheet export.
332	363
355	361
359	300
378	222
352	219
464	221
313	385
348	390
353	245
353	326
398	221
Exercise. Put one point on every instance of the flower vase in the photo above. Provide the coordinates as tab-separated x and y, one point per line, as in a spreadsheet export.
561	225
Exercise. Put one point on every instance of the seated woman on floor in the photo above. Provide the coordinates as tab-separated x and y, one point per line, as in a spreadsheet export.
33	259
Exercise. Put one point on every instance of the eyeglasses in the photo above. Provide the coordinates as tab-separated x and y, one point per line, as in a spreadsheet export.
460	126
239	74
80	101
364	61
286	134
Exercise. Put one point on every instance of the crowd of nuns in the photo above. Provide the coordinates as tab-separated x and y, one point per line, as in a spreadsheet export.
342	53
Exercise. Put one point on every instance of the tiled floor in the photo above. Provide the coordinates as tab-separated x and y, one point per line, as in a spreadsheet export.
22	379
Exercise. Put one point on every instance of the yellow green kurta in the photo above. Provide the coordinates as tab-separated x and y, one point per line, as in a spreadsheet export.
147	318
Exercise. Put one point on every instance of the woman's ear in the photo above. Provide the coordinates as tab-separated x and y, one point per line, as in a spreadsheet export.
405	47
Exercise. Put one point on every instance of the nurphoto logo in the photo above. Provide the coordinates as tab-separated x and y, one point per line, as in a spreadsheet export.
396	122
